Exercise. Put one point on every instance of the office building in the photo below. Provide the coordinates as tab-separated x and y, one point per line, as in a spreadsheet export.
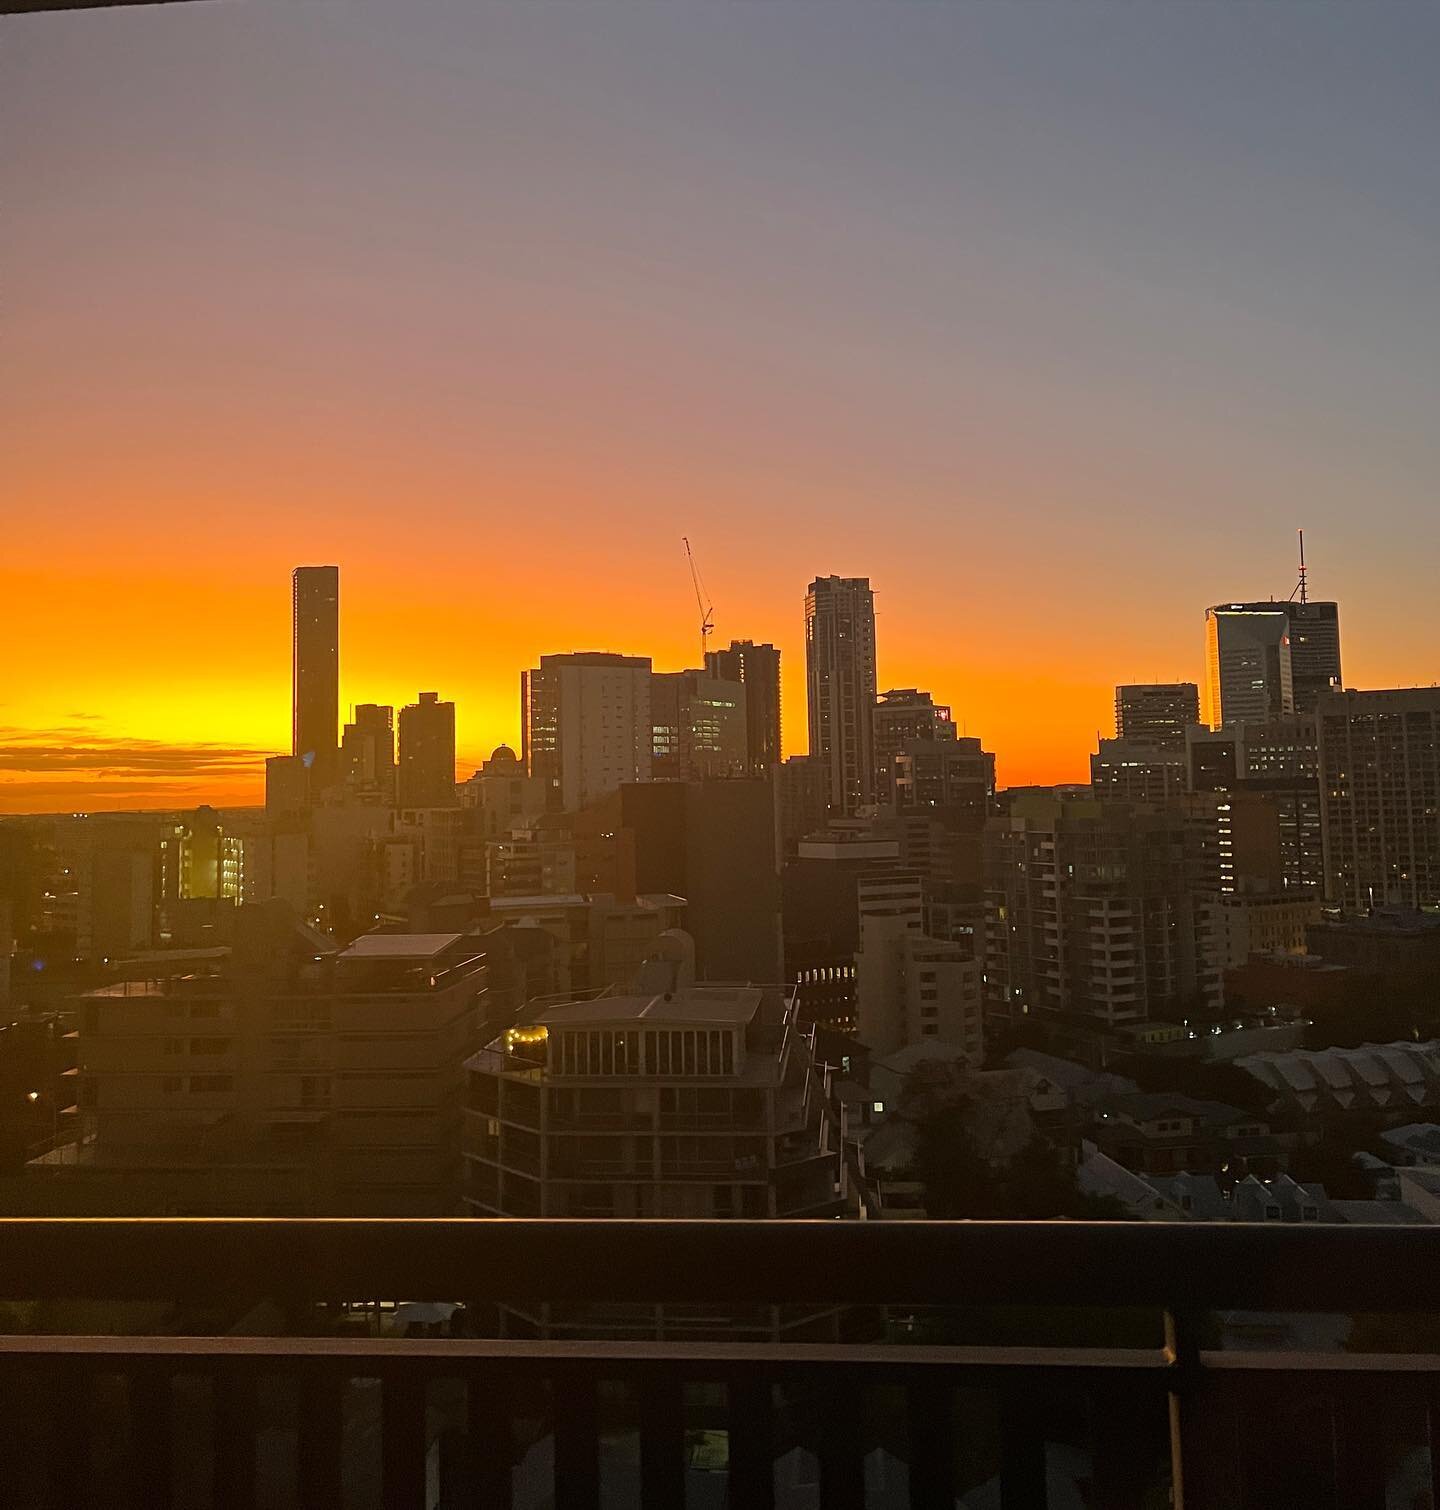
1271	773
587	725
1248	670
316	671
1158	712
426	775
802	797
1096	909
367	755
287	785
698	727
1380	797
1138	770
903	716
1314	651
281	1077
840	683
757	669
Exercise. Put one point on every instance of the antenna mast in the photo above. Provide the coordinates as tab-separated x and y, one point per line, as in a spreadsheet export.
702	602
1300	586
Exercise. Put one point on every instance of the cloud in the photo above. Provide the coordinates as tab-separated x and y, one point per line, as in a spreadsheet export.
72	751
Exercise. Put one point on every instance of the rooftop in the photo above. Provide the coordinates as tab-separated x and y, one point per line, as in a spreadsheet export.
399	946
712	1006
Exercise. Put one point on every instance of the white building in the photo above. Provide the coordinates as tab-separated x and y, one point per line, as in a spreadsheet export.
587	724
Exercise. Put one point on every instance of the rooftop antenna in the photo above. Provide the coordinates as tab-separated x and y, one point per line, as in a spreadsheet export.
702	602
1300	585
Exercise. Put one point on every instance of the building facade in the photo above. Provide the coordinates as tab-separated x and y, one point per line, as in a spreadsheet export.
315	686
1158	712
840	685
426	774
587	724
367	755
1380	796
905	716
757	669
698	727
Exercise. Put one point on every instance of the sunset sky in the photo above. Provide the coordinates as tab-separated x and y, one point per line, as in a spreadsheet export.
1055	319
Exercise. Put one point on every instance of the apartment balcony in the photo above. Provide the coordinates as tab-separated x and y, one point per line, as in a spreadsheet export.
1117	1396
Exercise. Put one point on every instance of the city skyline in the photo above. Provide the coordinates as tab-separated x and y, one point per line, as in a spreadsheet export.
1019	326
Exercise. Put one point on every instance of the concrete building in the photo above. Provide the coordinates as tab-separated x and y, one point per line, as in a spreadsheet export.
1138	770
757	669
426	775
367	755
587	724
1380	796
315	701
505	797
802	799
1158	712
1095	909
698	727
909	986
905	716
1271	773
287	785
285	1077
840	682
1265	923
1248	670
1314	652
667	1100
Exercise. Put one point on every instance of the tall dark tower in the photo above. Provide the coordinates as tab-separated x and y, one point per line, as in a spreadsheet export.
840	677
757	667
316	672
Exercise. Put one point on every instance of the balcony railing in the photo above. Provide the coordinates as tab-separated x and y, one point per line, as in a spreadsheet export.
193	1420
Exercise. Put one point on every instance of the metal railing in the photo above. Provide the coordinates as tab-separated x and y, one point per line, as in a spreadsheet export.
1178	1414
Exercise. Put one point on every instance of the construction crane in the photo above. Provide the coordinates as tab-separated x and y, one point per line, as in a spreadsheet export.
702	602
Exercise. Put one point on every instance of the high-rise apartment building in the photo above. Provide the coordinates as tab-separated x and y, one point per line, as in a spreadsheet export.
757	669
903	716
367	754
698	726
316	671
426	775
1159	712
840	682
587	724
1098	909
1380	796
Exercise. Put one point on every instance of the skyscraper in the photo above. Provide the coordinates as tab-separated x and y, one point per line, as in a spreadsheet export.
1314	651
1248	667
1380	796
587	725
698	726
840	682
757	667
316	671
426	776
1156	711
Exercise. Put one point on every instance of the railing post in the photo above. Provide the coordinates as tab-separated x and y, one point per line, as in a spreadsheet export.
402	1439
150	1405
931	1420
752	1442
1206	1472
322	1400
662	1440
1022	1450
235	1476
841	1441
577	1441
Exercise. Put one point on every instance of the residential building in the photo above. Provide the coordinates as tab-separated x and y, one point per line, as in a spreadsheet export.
316	671
426	775
757	669
1166	1132
840	682
909	986
283	1077
698	727
1265	923
1096	909
587	724
668	1099
1380	797
367	755
1157	712
904	716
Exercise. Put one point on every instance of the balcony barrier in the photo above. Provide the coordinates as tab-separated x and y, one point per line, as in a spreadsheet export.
1212	1428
